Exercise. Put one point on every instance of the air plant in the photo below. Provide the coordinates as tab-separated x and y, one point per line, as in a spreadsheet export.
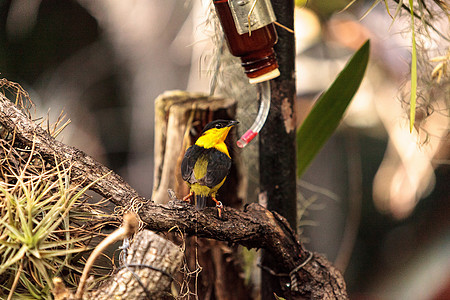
47	222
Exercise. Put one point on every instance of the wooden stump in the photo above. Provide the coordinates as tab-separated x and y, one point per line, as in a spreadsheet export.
153	261
179	119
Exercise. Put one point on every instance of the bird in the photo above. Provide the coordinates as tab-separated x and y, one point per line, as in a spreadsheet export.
206	164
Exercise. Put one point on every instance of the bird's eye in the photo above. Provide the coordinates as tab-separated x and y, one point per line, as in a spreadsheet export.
218	126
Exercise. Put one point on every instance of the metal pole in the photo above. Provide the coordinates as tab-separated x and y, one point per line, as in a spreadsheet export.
277	141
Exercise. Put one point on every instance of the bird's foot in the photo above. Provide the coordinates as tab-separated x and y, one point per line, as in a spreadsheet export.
188	197
219	207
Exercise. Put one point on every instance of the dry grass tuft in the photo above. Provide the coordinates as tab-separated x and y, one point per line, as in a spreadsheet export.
47	223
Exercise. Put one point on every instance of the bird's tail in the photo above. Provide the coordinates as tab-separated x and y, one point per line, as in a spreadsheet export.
200	201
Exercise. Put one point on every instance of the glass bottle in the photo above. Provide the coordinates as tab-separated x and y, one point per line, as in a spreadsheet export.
254	46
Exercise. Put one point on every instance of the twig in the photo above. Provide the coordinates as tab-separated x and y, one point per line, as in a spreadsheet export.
16	281
130	224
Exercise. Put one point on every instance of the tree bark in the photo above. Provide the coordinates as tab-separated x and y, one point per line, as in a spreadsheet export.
151	263
254	227
277	150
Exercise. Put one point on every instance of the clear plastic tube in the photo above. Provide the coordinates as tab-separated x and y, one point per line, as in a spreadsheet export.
264	108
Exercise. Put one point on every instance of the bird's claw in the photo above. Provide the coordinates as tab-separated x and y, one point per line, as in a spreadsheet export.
219	207
187	198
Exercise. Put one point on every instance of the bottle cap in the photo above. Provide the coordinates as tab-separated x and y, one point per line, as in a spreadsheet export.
264	77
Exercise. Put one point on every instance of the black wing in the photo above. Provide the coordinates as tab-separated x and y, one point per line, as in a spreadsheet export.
188	163
219	165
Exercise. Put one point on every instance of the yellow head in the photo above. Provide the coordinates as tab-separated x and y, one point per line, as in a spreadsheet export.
214	135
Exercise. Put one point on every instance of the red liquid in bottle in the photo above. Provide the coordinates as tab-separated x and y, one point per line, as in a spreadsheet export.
255	50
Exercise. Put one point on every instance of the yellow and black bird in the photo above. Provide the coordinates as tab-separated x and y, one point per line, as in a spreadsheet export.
206	164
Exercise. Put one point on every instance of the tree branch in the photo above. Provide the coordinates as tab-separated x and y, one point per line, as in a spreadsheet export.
255	227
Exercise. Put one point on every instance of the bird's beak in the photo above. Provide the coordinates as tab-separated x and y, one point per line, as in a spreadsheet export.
232	123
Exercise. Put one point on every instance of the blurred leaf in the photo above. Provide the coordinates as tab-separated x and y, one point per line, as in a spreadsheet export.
412	102
278	297
326	8
326	114
370	9
348	5
386	4
300	3
397	9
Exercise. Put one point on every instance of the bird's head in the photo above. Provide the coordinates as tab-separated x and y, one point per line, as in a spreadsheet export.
215	132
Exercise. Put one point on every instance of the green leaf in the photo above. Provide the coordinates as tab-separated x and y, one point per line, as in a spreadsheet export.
386	4
326	114
18	256
13	232
62	252
398	8
412	102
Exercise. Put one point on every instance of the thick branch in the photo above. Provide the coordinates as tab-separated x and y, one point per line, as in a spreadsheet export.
255	227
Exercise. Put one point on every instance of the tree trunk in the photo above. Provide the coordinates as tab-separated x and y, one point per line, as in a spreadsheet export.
277	154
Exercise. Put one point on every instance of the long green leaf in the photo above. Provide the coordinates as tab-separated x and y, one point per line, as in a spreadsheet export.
31	287
18	256
62	252
13	232
48	245
386	4
326	114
